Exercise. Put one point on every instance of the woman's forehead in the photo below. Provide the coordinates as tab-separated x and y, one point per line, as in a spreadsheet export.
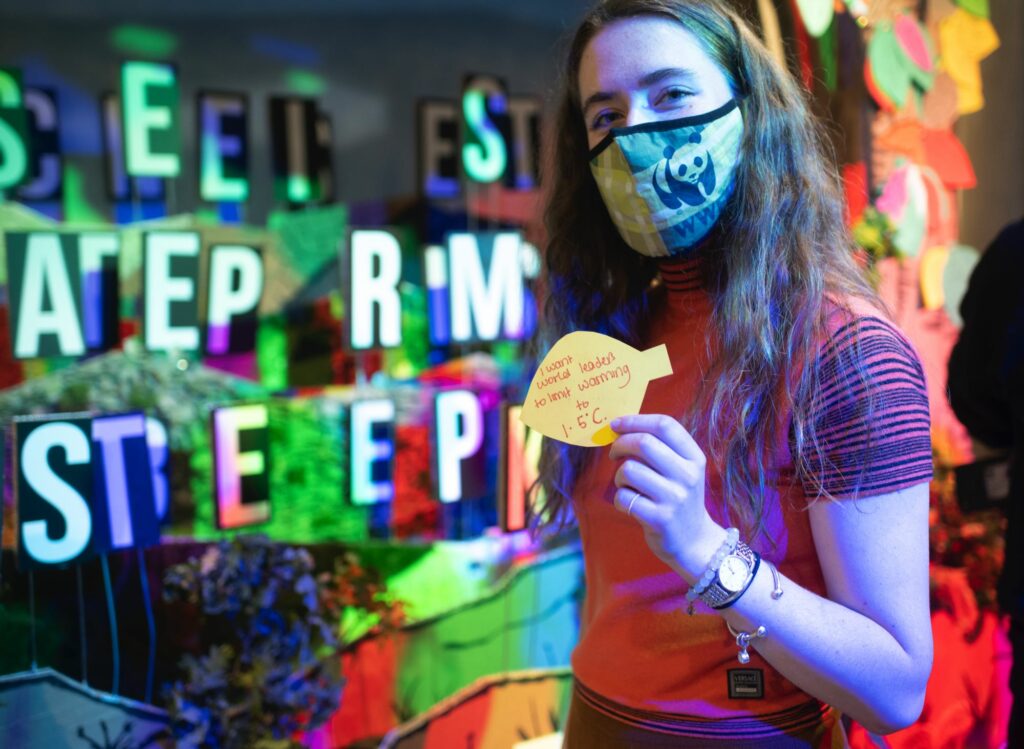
625	52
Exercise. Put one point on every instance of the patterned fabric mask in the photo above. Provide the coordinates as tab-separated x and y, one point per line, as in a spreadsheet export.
665	183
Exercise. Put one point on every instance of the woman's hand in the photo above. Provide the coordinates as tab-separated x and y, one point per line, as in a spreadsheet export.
666	466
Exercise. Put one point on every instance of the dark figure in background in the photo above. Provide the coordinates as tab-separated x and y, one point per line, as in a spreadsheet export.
986	390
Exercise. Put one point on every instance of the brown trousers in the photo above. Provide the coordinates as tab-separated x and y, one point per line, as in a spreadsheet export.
587	728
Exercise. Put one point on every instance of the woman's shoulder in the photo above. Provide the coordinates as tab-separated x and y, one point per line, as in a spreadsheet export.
861	340
845	309
851	319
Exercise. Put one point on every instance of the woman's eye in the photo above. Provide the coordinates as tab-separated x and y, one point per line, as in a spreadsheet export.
604	119
673	96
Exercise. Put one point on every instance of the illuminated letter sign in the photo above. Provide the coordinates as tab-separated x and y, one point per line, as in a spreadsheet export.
156	441
375	308
124	510
479	304
120	187
170	318
460	456
241	465
14	163
520	448
151	123
323	158
224	147
301	150
236	287
485	128
524	114
435	272
43	278
100	290
438	138
371	451
44	136
53	489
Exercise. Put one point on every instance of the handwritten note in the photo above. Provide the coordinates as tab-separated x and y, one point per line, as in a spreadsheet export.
585	381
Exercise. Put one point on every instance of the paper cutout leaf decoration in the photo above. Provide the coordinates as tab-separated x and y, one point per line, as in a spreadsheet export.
904	137
816	15
945	154
940	104
975	7
904	200
959	266
890	68
965	40
932	273
585	381
942	214
914	42
877	94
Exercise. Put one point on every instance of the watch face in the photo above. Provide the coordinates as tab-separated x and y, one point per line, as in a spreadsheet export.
733	573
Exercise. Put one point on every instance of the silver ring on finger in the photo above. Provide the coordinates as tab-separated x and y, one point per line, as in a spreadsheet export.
636	496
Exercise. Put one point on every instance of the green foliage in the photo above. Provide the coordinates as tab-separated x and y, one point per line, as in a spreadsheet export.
270	664
132	380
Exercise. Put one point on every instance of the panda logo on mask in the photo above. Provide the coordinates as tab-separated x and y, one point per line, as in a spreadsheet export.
694	180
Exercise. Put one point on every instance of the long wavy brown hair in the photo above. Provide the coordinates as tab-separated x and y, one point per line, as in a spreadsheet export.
778	254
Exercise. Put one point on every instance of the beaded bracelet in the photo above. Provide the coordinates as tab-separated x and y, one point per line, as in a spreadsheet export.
732	537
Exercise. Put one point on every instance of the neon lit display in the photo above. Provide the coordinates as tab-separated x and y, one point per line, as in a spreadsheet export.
100	290
485	128
151	122
435	271
524	116
371	451
439	154
236	287
460	459
14	156
241	465
124	511
520	457
148	41
156	441
121	187
44	301
485	307
224	147
374	311
300	139
43	495
46	167
170	319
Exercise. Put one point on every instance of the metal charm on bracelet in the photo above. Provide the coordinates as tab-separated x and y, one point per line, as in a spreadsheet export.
776	579
743	641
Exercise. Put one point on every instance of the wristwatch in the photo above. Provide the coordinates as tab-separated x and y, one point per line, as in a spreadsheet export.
732	578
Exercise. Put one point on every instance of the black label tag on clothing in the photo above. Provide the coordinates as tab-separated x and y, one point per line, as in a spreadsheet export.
746	684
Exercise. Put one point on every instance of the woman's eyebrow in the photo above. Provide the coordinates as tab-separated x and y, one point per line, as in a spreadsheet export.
660	75
648	79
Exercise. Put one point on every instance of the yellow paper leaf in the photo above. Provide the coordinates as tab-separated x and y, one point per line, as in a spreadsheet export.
933	267
585	381
965	40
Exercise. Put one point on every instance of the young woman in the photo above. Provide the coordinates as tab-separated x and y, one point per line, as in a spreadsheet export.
756	540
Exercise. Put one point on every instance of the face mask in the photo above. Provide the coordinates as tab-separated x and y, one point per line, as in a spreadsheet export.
665	183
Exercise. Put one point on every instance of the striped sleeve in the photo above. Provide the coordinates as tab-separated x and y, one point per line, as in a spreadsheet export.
874	428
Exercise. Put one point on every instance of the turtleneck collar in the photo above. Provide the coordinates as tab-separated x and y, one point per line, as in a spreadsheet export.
682	276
